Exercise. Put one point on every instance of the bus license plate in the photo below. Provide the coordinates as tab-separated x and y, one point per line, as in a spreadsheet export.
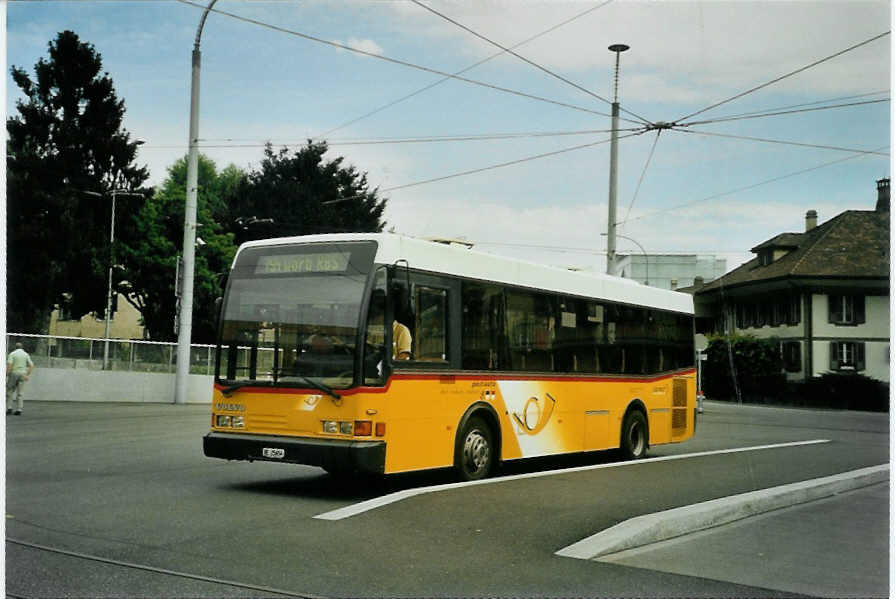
273	452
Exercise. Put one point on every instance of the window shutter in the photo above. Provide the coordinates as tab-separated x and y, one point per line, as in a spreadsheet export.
795	314
834	356
834	304
860	362
860	317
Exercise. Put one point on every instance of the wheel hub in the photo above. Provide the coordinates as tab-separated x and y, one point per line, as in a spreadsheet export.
476	451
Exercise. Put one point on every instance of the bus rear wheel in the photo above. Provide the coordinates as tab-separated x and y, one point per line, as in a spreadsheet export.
474	453
635	436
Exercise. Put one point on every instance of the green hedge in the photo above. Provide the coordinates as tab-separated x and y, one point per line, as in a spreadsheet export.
846	391
759	378
757	373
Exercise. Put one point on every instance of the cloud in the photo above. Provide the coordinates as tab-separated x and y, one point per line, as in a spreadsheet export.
685	51
364	45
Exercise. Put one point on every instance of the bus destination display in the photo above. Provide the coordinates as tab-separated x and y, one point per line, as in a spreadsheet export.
302	263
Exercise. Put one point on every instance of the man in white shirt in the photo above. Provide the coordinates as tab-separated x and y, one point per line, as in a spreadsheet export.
18	369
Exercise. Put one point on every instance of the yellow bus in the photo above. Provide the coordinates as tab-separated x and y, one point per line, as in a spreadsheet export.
505	359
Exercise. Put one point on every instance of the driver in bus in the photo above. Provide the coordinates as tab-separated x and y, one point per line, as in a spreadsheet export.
401	341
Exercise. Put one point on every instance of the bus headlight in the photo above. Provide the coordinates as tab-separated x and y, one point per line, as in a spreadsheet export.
330	426
346	428
238	421
224	420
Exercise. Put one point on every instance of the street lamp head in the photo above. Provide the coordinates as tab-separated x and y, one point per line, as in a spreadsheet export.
619	47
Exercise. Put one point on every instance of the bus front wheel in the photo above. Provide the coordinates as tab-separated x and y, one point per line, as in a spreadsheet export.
635	436
474	453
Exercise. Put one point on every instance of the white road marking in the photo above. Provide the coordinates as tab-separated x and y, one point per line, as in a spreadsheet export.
377	502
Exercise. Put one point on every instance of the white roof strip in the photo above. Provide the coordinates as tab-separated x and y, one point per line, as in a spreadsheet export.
470	263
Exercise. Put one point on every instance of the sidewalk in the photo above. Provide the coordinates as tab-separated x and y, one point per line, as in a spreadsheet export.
818	548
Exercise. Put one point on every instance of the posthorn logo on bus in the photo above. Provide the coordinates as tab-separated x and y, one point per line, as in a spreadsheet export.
535	414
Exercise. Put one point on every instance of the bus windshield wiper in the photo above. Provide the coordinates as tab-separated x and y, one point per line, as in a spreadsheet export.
239	385
322	386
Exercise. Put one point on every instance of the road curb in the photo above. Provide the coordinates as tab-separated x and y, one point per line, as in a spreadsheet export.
661	526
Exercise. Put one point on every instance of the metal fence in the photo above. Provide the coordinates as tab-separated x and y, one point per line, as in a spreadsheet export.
127	355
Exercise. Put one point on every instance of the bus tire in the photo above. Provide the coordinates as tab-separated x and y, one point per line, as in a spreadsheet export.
474	452
635	435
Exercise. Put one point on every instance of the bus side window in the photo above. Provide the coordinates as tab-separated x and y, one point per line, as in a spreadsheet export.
430	342
483	331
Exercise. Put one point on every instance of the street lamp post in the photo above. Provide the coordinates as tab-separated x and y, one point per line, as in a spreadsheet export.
185	332
108	316
613	167
645	256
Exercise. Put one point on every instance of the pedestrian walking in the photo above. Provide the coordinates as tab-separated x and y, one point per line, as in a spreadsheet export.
18	369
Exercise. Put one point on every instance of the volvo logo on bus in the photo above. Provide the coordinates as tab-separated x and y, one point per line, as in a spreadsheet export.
229	407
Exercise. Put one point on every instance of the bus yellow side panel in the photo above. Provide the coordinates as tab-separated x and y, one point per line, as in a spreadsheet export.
421	415
536	417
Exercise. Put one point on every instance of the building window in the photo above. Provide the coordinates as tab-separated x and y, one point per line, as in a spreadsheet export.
792	356
745	316
846	309
847	356
761	315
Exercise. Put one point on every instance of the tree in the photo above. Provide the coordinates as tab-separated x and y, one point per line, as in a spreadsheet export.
150	258
66	139
296	191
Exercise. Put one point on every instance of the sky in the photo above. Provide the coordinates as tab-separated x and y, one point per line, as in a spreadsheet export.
522	170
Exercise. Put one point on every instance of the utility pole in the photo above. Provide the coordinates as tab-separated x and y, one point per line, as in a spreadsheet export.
108	316
184	335
613	167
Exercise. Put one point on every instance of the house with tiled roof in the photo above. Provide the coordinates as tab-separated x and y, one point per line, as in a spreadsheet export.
824	293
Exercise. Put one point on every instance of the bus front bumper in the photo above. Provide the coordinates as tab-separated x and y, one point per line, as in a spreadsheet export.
334	455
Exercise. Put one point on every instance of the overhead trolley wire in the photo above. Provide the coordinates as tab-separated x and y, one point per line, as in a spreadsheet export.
460	72
580	250
504	164
484	168
643	174
782	77
793	106
780	141
246	143
861	154
526	60
757	115
389	59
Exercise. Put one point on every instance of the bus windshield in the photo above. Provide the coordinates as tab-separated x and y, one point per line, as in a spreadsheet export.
291	315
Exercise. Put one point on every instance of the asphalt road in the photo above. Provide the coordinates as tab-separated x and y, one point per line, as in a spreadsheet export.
118	500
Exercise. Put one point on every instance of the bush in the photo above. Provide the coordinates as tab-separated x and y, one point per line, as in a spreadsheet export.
757	369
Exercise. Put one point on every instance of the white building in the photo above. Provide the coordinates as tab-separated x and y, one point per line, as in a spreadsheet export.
669	271
824	293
